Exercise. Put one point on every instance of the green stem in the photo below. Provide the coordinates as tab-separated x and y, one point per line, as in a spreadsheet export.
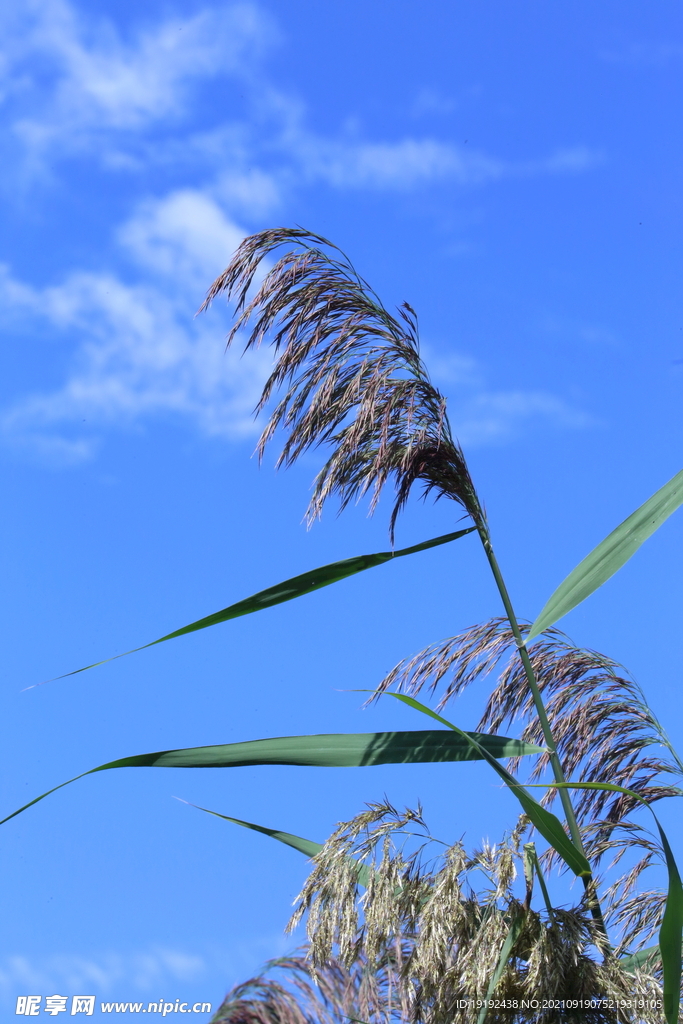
555	762
536	866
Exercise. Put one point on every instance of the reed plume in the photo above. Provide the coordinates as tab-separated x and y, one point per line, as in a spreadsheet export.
439	923
351	373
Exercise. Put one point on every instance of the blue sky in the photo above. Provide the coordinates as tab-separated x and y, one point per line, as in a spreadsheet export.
513	171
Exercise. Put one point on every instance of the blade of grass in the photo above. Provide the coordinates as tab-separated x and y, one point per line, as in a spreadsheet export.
643	958
305	846
609	556
531	865
547	824
510	939
328	750
295	587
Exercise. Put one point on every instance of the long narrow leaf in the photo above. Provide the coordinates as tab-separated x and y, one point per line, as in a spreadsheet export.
329	750
545	821
305	846
609	556
510	939
531	865
297	586
649	958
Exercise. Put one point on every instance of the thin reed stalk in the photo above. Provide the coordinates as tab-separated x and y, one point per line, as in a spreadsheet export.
556	764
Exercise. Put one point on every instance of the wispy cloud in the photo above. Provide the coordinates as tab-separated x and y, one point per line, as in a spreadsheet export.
73	77
431	102
76	85
401	164
482	415
184	237
73	973
140	352
132	351
353	162
652	53
569	160
572	331
492	417
138	971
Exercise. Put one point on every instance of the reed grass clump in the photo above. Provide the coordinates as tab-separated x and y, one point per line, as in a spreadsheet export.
402	926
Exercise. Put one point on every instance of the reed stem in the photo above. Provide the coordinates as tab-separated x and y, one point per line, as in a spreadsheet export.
555	762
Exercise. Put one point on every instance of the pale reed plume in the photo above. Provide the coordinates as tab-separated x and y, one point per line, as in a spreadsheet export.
438	923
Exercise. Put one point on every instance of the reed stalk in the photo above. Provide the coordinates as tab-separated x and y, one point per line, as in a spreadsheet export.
555	762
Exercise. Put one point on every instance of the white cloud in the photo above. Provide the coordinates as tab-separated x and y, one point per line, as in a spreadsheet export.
572	160
253	191
392	165
148	970
184	236
135	351
497	416
432	102
451	368
81	86
140	351
141	354
99	81
139	971
412	162
571	331
481	416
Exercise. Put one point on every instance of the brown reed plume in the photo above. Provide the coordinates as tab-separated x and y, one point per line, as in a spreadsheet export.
603	730
290	991
603	727
352	375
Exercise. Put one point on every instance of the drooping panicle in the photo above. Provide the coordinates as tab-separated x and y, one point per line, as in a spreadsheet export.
289	991
351	373
602	725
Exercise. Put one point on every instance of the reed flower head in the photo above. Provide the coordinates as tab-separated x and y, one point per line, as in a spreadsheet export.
351	373
437	926
603	729
289	991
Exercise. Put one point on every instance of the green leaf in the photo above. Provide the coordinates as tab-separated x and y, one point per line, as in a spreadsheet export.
649	957
609	556
547	824
510	939
306	583
531	865
329	750
305	846
671	934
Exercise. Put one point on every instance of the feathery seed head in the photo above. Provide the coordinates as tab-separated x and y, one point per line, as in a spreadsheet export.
437	929
352	376
603	728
